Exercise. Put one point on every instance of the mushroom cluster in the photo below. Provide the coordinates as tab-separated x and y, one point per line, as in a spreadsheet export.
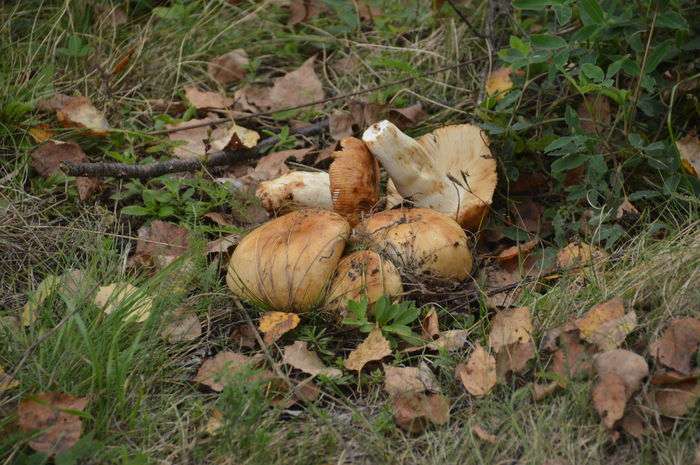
443	182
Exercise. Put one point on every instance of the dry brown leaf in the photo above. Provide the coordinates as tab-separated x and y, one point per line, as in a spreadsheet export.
216	371
498	83
610	399
306	391
540	391
450	340
182	326
407	117
430	326
301	11
400	380
606	324
633	423
510	327
478	375
413	411
689	149
223	244
514	358
678	344
300	357
626	210
497	278
229	67
199	141
620	374
41	133
298	87
87	187
273	165
513	252
672	377
276	324
366	114
7	382
48	414
676	400
244	336
159	239
113	296
374	347
47	158
218	218
484	435
201	99
579	255
572	360
340	125
77	112
594	113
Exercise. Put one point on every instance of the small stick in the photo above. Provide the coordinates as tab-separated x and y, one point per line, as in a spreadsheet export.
220	158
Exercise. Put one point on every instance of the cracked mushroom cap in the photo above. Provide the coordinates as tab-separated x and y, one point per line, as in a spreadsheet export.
354	179
286	263
363	273
450	170
294	191
419	240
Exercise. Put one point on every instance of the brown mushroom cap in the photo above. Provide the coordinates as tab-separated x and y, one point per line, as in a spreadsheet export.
286	263
354	180
363	273
450	170
420	241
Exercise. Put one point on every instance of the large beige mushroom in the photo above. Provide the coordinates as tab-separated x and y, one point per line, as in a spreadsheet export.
419	241
294	191
450	170
354	180
362	273
286	263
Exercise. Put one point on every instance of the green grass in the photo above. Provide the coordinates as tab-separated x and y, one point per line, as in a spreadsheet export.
144	407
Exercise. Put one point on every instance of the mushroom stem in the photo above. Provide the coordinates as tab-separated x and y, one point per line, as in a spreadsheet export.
408	163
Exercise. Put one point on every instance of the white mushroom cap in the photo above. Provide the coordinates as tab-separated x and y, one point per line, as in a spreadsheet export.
294	191
286	263
420	241
362	273
450	170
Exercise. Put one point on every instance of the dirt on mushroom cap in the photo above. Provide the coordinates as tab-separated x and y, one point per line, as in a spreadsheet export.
419	240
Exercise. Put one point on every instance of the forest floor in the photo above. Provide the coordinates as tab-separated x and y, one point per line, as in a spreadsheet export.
142	404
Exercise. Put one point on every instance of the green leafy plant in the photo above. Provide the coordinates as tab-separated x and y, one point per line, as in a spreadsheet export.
393	319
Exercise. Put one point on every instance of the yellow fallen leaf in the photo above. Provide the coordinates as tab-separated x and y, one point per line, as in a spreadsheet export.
40	133
478	375
45	288
275	324
606	324
689	149
498	82
113	296
300	357
215	422
375	347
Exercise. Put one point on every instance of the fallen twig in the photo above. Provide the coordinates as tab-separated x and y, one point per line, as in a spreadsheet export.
220	158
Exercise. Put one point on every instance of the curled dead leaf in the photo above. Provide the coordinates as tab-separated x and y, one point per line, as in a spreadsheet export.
676	400
52	415
275	324
300	357
229	67
478	374
484	435
78	111
401	380
217	371
430	327
689	149
374	347
124	295
678	344
414	411
606	325
223	244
